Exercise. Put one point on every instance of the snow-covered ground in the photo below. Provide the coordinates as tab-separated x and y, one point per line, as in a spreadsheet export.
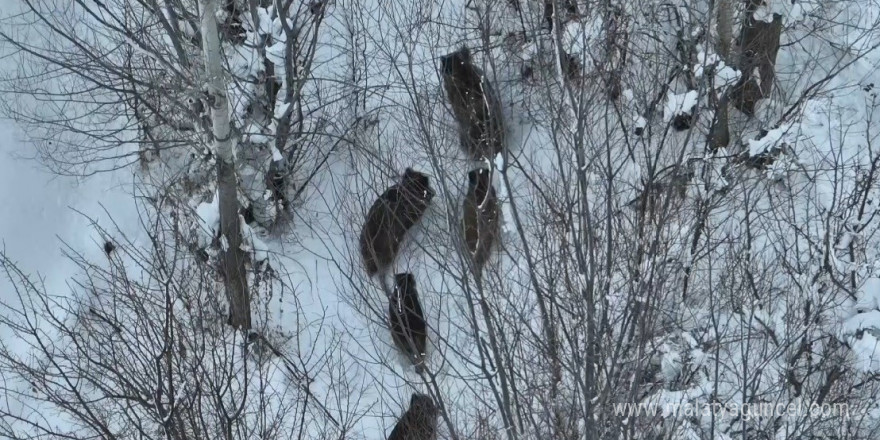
43	213
39	207
40	213
320	264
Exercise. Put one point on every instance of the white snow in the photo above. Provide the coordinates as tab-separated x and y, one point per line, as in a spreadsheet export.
869	295
640	122
670	363
867	353
764	12
318	259
679	103
280	109
770	140
265	18
725	75
276	155
257	246
41	214
275	52
862	321
208	214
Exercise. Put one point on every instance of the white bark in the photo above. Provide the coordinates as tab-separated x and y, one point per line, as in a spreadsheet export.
215	81
235	276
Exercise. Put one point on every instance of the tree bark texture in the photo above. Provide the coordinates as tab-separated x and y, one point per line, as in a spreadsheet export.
724	26
233	258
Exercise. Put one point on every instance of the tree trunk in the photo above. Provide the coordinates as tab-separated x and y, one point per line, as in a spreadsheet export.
759	43
719	134
235	276
724	26
616	42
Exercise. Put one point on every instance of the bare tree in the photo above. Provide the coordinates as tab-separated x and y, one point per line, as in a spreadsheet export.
634	266
234	272
132	92
140	349
237	98
636	262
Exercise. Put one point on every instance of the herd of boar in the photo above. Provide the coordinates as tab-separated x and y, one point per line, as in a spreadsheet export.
477	111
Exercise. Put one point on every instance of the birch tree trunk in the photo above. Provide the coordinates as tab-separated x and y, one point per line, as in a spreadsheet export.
233	258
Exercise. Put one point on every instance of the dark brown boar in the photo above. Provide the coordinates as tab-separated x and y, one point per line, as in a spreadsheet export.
397	210
419	422
474	104
480	217
408	327
759	45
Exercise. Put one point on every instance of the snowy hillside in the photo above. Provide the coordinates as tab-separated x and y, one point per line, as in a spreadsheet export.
687	199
